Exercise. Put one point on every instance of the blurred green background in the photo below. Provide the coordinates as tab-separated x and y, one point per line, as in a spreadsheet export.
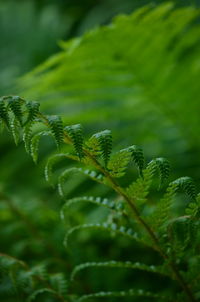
139	79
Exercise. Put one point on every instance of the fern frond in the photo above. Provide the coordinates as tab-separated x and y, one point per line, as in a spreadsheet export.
104	139
27	134
182	232
41	291
75	132
186	184
128	293
15	104
193	208
56	127
34	144
104	202
15	127
162	165
63	177
162	213
93	145
53	160
161	216
17	273
7	261
139	189
150	72
98	177
111	228
59	284
33	110
4	116
40	271
137	156
118	163
118	264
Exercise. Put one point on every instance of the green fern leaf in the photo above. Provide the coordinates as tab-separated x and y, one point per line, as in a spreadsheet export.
27	133
63	177
137	156
98	177
34	144
65	174
56	127
40	271
118	264
15	127
41	291
183	233
33	110
16	272
4	116
53	160
111	228
128	293
59	284
104	139
118	163
93	145
75	132
193	208
186	184
149	72
139	189
162	165
104	202
15	104
162	213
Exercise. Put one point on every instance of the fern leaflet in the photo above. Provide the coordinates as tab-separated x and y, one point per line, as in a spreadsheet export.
118	264
4	116
34	144
111	205
91	174
15	104
118	163
128	293
56	127
186	184
53	160
111	228
75	132
104	139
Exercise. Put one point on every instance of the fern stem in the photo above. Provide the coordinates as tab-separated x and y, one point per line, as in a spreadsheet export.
142	222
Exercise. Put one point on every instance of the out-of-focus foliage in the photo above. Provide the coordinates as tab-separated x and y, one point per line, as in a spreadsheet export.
30	29
137	68
27	37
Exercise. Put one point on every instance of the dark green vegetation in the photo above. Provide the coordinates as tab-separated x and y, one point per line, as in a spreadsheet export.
130	224
174	238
